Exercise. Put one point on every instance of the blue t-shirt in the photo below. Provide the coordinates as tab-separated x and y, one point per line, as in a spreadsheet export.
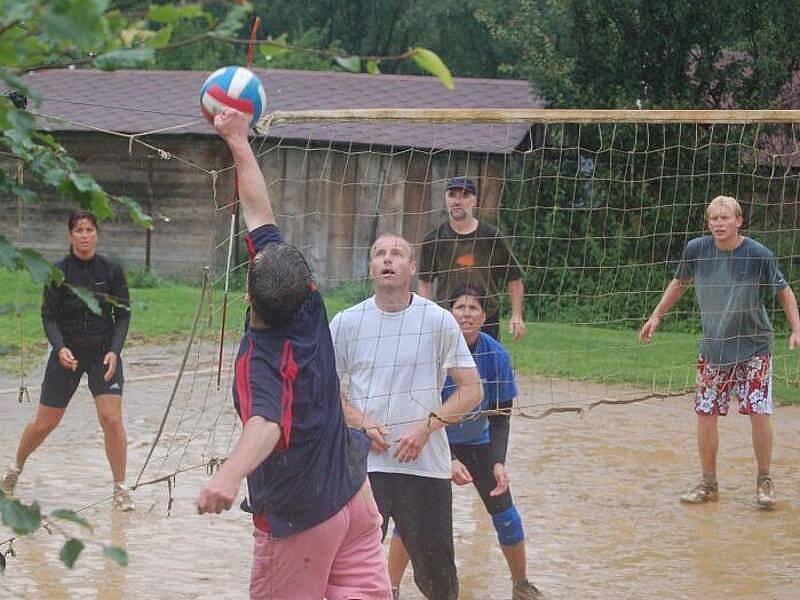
287	375
499	391
730	288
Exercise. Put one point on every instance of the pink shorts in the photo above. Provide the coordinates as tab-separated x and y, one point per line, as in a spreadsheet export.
339	559
751	379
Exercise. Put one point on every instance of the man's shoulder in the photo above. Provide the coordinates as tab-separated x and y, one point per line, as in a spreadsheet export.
430	306
263	349
433	317
754	248
442	231
487	230
699	245
355	313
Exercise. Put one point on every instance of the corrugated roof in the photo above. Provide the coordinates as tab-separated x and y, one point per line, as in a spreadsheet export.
147	101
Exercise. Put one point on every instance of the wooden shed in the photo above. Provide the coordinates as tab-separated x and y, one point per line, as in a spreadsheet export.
334	185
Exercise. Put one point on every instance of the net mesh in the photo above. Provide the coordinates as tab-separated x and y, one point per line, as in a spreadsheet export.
597	214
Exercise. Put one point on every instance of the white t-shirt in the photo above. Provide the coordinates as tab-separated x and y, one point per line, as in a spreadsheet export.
395	364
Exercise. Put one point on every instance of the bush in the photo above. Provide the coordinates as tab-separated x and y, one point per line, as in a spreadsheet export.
142	277
599	225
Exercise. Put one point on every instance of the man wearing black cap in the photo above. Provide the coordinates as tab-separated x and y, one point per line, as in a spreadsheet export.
466	251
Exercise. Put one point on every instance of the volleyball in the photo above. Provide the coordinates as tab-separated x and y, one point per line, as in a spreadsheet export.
235	87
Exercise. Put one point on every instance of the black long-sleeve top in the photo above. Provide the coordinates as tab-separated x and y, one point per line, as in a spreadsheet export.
69	322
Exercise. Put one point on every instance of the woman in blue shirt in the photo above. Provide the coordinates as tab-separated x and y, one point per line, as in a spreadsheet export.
479	443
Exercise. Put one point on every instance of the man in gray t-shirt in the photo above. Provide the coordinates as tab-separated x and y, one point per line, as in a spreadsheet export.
731	274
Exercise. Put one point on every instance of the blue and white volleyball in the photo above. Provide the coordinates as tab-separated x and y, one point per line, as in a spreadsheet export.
235	87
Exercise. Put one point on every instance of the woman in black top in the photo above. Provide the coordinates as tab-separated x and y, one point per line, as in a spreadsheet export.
83	342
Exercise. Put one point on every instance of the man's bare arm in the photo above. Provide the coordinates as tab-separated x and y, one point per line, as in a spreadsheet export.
789	304
256	443
468	394
254	201
358	420
516	295
675	290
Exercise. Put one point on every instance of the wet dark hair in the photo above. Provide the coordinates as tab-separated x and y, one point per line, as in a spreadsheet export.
467	289
279	283
80	215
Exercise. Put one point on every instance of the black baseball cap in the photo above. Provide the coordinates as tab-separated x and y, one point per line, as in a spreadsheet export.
462	183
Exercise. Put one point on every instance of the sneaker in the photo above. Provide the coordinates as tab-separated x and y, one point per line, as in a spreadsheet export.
765	492
525	590
9	480
395	593
123	499
702	492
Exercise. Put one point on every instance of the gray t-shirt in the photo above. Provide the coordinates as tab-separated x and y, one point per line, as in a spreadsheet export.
730	287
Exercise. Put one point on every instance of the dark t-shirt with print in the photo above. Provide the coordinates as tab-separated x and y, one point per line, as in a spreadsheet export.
479	258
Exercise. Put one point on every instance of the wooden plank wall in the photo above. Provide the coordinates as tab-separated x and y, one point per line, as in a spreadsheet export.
330	201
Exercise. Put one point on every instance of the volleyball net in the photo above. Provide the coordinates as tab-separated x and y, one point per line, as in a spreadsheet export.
597	207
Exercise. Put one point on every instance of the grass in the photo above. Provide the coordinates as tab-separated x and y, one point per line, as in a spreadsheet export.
616	356
164	314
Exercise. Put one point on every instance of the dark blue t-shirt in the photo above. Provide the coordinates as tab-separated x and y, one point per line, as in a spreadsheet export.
730	288
287	375
499	391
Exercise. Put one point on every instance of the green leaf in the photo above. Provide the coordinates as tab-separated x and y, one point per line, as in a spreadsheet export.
21	518
373	68
75	22
72	516
428	61
70	552
116	554
88	298
234	20
349	63
52	174
40	269
125	58
171	14
22	122
100	205
136	212
18	10
161	37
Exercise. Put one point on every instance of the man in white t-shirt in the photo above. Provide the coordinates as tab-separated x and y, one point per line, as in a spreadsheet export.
393	352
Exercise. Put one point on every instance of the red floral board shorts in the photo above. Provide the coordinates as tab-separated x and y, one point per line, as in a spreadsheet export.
750	379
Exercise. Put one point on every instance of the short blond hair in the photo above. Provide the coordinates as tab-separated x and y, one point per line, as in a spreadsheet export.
725	202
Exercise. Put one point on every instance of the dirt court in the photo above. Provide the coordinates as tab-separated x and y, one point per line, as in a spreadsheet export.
597	493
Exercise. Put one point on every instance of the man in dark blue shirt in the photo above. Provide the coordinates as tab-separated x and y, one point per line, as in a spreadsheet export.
317	528
731	274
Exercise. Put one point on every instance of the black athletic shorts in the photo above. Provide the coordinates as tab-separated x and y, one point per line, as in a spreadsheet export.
480	463
59	383
422	511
